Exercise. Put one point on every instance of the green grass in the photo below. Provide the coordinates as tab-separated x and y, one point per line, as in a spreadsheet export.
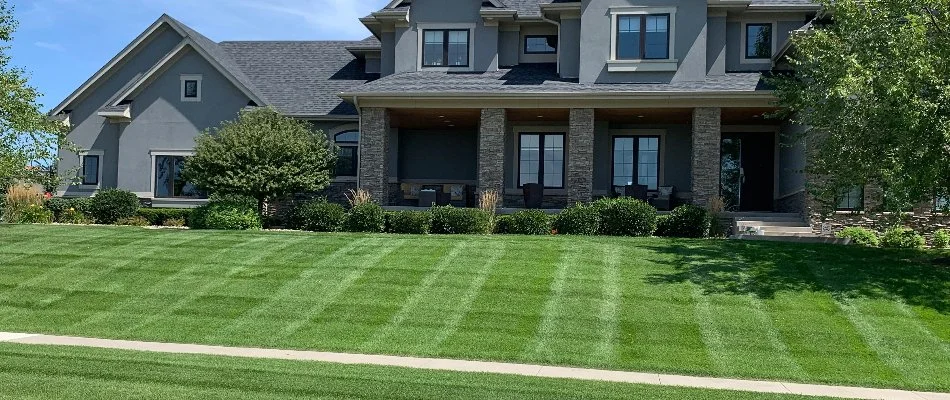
809	313
40	372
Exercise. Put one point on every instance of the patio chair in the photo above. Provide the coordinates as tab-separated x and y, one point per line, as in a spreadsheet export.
533	195
638	192
666	198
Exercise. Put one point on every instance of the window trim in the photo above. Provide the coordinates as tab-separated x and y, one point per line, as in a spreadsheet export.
82	166
154	154
541	134
743	52
350	145
643	37
636	153
669	64
445	47
187	78
525	44
860	207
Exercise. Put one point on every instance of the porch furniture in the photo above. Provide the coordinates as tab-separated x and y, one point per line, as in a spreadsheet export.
639	192
665	199
428	198
533	195
460	194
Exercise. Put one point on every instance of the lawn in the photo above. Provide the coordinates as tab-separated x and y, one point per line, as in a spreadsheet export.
809	313
39	372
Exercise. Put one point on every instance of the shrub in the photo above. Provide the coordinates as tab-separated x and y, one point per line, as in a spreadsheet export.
448	220
132	221
941	239
57	205
158	216
317	216
366	217
503	225
409	222
175	223
226	215
82	205
530	222
687	221
70	210
111	205
20	200
902	238
625	216
33	214
860	236
73	216
580	219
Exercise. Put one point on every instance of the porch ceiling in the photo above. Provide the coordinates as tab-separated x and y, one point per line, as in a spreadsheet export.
434	118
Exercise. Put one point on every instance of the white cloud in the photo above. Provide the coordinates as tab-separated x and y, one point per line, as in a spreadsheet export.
50	46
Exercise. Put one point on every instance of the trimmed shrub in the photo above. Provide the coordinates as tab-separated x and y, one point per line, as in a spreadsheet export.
366	217
860	236
580	219
226	215
158	216
902	238
687	221
503	225
70	210
317	216
132	221
530	222
941	239
57	205
448	220
625	216
111	205
409	222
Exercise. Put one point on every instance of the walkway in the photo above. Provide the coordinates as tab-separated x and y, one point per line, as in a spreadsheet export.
488	367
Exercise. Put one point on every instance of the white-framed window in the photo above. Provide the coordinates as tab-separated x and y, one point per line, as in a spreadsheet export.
642	39
446	47
167	182
758	42
90	168
191	88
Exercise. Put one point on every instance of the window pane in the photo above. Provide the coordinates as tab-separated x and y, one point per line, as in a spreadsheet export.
540	44
432	50
852	199
648	162
628	37
759	41
164	174
191	89
346	162
530	157
554	161
90	170
348	137
458	48
657	37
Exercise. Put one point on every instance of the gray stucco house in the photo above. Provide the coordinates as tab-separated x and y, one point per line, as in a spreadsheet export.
584	97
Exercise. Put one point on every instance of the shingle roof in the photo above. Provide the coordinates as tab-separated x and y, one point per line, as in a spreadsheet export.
541	79
301	78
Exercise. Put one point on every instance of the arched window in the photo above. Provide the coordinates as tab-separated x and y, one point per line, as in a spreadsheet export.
348	156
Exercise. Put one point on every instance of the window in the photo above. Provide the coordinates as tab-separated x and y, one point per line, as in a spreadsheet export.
347	160
168	181
637	161
540	44
643	37
852	199
445	48
191	88
942	204
758	41
541	159
90	169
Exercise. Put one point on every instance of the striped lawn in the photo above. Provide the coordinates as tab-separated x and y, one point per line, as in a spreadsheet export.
809	313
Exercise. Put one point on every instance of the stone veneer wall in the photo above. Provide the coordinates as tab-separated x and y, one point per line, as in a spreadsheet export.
549	201
491	150
707	140
580	156
923	222
374	150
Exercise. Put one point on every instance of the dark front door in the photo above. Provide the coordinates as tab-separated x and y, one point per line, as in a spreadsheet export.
748	171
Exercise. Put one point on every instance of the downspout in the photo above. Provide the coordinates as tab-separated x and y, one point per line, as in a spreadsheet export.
558	25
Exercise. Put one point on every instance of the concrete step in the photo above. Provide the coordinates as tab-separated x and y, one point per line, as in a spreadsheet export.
785	230
770	219
753	215
796	239
798	223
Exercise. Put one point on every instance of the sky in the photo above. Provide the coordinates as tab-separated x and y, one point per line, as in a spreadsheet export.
61	43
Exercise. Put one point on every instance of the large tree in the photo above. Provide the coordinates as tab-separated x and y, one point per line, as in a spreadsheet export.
872	81
262	154
28	138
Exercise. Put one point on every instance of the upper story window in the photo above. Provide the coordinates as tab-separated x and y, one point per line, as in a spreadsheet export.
347	160
540	44
191	88
643	37
758	41
445	47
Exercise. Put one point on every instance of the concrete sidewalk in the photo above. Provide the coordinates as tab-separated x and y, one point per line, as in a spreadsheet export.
487	367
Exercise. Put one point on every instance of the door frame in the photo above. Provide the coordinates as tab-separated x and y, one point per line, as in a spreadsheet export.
764	129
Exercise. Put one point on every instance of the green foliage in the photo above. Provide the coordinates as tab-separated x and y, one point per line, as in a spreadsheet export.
941	239
33	214
70	210
227	214
580	219
74	216
530	222
175	223
860	236
503	225
18	200
873	88
132	221
409	222
366	217
264	155
158	216
687	221
317	216
111	205
448	220
625	216
902	238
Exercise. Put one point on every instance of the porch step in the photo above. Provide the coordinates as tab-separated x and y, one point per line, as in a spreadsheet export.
795	223
796	239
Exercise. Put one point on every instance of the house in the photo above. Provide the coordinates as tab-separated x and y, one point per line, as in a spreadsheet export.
583	97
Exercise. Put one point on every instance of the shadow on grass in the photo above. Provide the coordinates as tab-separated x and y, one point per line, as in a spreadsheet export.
764	268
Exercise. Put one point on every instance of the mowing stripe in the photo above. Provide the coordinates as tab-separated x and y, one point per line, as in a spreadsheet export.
464	305
873	338
539	346
418	294
712	338
783	355
37	250
932	337
609	309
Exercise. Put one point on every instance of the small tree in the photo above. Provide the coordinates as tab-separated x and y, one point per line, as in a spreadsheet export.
262	154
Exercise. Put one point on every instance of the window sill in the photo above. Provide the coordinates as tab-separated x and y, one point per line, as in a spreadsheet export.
446	69
344	179
642	65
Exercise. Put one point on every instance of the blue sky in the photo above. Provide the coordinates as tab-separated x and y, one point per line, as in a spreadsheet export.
61	43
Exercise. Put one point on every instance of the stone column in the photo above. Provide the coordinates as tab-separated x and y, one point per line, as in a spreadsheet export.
707	141
491	150
580	156
374	153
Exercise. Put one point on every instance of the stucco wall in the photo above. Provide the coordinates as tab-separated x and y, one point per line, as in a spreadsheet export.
716	46
508	47
570	41
430	13
784	25
388	53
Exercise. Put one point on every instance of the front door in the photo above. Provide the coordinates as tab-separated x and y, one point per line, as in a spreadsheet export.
748	171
